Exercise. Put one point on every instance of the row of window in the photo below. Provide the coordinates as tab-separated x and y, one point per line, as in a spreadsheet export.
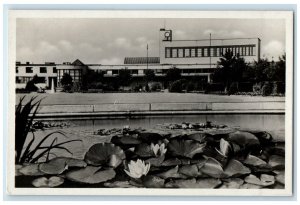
74	73
164	71
213	51
27	79
42	70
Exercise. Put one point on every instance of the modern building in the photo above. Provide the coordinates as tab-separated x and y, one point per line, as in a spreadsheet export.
193	57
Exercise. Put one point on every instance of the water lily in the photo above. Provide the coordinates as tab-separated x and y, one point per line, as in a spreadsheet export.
158	150
136	169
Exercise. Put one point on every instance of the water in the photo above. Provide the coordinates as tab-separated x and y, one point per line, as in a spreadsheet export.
84	129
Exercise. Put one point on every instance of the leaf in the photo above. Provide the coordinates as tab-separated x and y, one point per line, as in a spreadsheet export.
265	180
91	175
119	184
236	168
250	186
60	164
156	161
104	154
197	136
185	148
232	183
125	140
212	168
31	170
171	173
244	139
171	162
190	170
276	162
280	177
51	182
225	147
144	150
153	182
254	161
208	183
150	136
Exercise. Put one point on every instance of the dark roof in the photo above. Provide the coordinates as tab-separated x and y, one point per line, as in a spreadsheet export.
78	63
141	60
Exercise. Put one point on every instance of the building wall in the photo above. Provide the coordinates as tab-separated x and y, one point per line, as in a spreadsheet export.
199	50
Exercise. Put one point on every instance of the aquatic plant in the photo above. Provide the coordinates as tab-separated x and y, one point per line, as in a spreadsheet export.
158	150
30	153
136	169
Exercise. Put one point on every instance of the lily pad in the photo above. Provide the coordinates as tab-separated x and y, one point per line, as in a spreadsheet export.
45	183
208	183
190	170
276	162
280	177
250	186
212	168
125	140
153	182
265	180
244	139
254	161
31	170
119	184
236	168
151	136
105	154
60	164
156	161
232	183
214	132
197	136
171	162
185	148
171	173
91	175
144	150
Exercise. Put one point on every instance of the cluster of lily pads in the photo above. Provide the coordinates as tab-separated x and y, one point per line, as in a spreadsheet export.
187	155
41	125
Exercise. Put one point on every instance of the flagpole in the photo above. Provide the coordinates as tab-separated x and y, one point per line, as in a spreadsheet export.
147	56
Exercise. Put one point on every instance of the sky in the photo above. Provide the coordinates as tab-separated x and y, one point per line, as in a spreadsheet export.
109	41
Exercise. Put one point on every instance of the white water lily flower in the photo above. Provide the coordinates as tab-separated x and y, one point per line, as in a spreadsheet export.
158	150
137	169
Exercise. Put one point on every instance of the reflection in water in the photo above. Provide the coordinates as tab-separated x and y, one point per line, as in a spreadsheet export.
261	122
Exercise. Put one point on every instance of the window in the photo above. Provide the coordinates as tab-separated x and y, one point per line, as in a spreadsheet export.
43	70
17	69
115	72
29	70
199	52
174	53
168	53
205	52
54	70
180	53
134	71
193	52
187	52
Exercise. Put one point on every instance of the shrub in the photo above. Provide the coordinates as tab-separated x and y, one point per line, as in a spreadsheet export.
233	88
214	87
177	86
190	87
76	87
267	89
155	86
147	89
31	87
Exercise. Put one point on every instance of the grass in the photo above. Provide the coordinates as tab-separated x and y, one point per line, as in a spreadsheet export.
30	153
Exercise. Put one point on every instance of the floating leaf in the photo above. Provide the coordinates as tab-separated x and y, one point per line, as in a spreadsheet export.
151	136
244	139
185	148
190	170
153	182
51	182
208	183
232	183
212	168
236	168
280	177
277	162
60	164
144	150
171	173
31	170
265	138
197	136
250	186
265	180
171	162
254	161
215	132
119	184
125	141
156	161
91	175
104	154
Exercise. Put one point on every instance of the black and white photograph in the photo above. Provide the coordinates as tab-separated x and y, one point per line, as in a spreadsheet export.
150	102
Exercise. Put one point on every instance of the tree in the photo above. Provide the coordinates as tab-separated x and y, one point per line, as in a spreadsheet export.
149	75
280	69
91	77
124	77
67	82
173	74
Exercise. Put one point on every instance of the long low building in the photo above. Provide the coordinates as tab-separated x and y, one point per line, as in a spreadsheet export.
192	57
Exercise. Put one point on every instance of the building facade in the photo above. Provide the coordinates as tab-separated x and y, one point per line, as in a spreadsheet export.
193	58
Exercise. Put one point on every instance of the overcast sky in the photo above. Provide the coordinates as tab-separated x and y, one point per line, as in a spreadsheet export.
109	41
